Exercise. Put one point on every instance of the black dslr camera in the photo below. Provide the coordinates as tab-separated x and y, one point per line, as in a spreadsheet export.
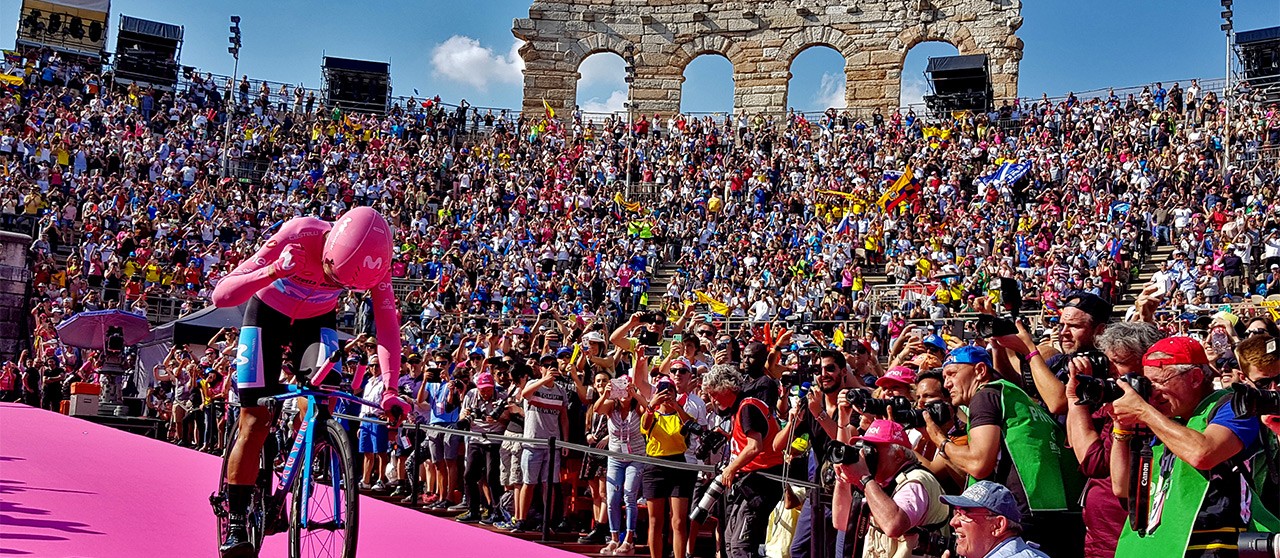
711	441
839	453
939	411
1096	392
1248	400
862	399
935	544
995	326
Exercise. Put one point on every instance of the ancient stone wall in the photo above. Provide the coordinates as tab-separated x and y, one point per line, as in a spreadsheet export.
15	278
760	39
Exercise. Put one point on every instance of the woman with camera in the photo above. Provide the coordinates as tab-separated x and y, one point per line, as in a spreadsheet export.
662	425
622	407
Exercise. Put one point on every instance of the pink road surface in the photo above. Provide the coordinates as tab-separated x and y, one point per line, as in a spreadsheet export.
71	488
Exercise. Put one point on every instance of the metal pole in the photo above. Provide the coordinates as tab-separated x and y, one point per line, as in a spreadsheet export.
226	133
546	490
1226	100
630	142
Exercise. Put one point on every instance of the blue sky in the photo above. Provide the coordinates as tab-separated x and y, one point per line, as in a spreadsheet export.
466	50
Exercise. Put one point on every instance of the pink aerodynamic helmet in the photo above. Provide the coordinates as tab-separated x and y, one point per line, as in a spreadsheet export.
358	249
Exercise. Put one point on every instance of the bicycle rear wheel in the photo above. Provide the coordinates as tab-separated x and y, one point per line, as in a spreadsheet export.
332	507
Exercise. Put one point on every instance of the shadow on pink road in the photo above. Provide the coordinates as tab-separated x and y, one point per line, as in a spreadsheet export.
71	488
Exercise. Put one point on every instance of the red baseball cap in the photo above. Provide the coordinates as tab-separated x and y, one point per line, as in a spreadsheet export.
1175	350
897	375
887	432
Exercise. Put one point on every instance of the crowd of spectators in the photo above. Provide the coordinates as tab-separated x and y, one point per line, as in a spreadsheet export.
526	267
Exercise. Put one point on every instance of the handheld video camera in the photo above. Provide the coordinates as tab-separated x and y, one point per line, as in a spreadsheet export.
1096	392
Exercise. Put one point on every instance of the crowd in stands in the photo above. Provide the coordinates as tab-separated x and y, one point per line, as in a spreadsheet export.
526	267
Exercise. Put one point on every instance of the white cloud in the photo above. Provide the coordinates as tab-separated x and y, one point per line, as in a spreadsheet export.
611	105
603	69
465	60
913	92
831	91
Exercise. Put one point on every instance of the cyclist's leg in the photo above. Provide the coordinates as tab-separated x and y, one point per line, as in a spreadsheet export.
306	332
258	363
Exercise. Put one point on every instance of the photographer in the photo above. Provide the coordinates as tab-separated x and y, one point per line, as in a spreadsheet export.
815	417
901	495
750	497
482	410
1013	440
1195	499
1259	357
1124	344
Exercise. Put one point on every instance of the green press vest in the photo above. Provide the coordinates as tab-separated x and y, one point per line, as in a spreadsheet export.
1187	487
1037	446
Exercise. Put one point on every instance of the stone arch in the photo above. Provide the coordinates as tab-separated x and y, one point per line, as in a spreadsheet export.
760	39
953	33
706	44
595	44
827	37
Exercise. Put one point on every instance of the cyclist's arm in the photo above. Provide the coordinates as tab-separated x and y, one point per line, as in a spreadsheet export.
253	274
387	322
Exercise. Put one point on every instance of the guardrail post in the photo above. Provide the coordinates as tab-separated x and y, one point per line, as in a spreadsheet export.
546	490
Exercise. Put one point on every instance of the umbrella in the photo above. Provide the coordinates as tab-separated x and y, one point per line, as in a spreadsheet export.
88	330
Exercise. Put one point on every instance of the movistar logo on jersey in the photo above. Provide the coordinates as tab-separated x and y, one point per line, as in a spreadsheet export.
373	263
301	293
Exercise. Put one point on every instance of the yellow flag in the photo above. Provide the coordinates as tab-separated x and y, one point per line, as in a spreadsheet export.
716	306
551	113
11	80
896	187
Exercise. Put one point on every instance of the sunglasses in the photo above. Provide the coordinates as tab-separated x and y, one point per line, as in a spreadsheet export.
1253	332
1267	383
681	371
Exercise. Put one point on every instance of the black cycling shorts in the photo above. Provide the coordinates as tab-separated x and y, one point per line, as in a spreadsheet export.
265	336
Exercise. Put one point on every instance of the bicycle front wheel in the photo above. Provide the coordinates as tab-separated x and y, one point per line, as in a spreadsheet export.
332	502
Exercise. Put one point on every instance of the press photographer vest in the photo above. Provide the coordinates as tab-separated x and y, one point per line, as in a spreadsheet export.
880	545
1184	491
1037	445
767	458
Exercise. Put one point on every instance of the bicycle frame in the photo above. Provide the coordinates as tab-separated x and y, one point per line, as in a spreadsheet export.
304	443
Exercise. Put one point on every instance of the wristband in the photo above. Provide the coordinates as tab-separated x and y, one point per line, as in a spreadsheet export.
1032	354
943	449
1116	430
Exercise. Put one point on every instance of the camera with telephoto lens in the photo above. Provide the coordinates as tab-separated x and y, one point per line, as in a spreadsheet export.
935	544
700	512
1096	392
839	453
1258	545
862	399
710	441
1249	401
939	411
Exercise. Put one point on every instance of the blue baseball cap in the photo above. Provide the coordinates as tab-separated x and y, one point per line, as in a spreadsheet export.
564	352
968	354
936	341
987	495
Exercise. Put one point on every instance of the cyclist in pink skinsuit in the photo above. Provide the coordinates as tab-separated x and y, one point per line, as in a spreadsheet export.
292	286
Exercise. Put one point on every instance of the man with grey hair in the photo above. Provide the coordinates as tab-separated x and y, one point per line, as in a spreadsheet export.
1197	497
1124	344
750	496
